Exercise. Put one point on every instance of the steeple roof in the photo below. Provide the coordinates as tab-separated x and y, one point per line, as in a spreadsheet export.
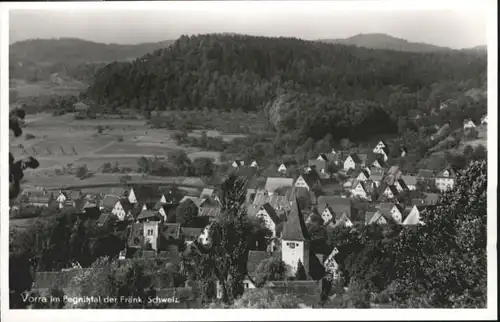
295	226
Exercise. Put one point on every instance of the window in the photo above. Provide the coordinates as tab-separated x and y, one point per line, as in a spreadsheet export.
291	245
150	232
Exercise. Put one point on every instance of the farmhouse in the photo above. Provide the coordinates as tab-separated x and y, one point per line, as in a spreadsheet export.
425	175
279	203
333	208
384	153
414	217
379	163
121	208
352	161
400	185
360	190
468	124
308	181
254	164
386	213
167	211
322	157
331	265
445	180
282	168
390	192
381	145
270	218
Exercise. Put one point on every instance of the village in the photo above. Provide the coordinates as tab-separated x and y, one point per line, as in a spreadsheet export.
366	189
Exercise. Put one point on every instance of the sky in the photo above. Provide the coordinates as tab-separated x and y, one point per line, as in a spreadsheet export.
455	28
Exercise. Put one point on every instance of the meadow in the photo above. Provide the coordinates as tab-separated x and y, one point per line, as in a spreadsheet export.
59	141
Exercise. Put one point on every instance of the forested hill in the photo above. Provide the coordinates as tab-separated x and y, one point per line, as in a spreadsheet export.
236	72
384	41
74	50
36	59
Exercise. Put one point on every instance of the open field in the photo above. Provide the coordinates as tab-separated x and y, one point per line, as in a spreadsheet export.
122	141
65	87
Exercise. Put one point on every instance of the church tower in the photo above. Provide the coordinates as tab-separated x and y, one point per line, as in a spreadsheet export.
295	243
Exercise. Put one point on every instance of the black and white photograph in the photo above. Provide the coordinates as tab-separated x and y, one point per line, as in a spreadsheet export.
249	155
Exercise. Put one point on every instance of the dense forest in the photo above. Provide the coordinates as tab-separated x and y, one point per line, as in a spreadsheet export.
310	89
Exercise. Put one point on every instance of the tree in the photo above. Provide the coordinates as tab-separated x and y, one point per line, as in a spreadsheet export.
270	269
203	167
82	171
448	268
300	274
186	213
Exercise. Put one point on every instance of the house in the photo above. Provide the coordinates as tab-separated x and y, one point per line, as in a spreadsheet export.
381	145
41	200
170	196
331	265
281	204
384	153
108	203
414	217
211	212
144	194
238	163
468	124
196	200
484	120
333	156
322	157
272	184
425	175
254	164
334	207
295	242
149	216
363	175
270	218
386	213
308	180
207	192
445	180
282	168
444	105
390	192
400	185
352	161
410	181
121	208
62	197
320	166
360	190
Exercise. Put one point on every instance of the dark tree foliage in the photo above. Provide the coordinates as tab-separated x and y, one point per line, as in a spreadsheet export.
300	274
186	213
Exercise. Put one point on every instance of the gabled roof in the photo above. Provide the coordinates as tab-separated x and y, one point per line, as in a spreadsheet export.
274	183
126	205
39	198
393	189
336	204
376	177
295	227
363	171
109	202
355	157
146	194
323	156
409	180
452	172
118	192
196	200
271	212
393	170
279	203
103	218
425	174
369	215
207	192
402	183
148	214
311	178
135	211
